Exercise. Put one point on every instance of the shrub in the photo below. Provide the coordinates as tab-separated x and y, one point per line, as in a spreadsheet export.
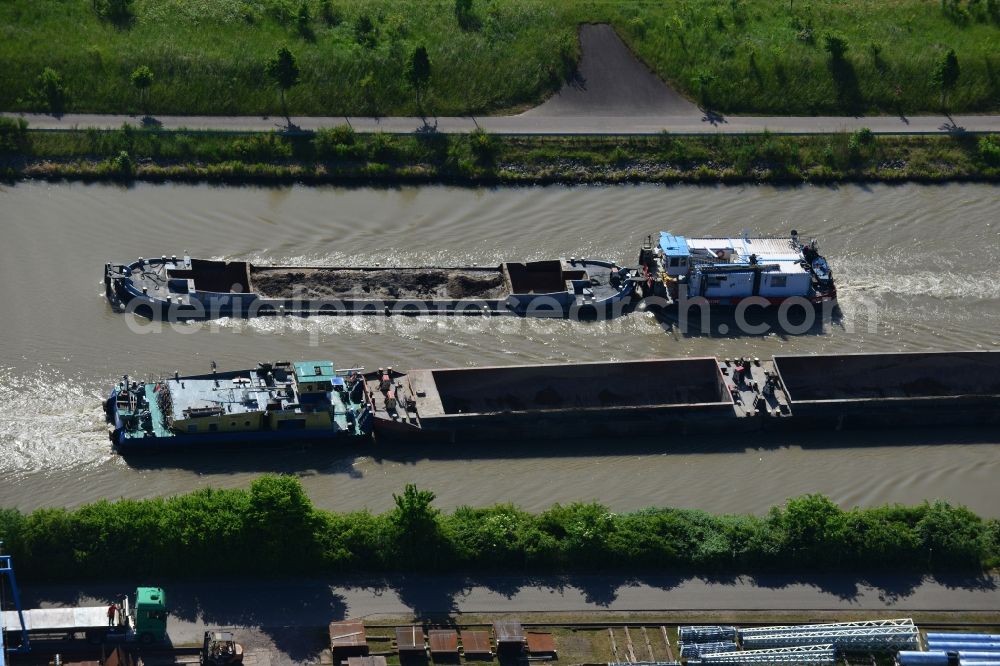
989	149
334	141
119	165
13	137
860	140
262	147
484	147
381	147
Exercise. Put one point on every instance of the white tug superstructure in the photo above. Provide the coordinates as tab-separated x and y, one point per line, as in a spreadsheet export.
725	271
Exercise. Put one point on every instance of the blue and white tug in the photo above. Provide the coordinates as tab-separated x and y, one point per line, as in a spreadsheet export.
726	271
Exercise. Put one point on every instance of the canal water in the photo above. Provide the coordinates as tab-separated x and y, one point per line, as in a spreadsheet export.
917	268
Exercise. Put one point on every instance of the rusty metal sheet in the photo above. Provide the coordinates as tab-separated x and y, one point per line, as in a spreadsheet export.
541	643
347	634
444	641
476	643
410	639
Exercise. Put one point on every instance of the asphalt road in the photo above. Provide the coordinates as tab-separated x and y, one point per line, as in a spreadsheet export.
265	603
528	124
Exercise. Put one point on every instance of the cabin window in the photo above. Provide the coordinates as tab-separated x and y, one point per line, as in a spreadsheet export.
246	423
292	424
232	424
674	262
779	280
684	261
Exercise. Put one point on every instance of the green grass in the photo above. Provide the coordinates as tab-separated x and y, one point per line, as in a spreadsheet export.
761	55
339	155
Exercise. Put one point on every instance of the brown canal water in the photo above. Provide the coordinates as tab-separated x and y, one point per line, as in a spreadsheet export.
917	266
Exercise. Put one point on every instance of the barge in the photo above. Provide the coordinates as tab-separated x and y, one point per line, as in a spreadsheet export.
307	402
690	396
174	288
722	271
729	271
279	403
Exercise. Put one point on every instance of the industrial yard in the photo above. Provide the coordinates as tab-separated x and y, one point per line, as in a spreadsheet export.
664	639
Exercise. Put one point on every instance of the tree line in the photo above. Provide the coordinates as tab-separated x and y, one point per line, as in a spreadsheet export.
273	526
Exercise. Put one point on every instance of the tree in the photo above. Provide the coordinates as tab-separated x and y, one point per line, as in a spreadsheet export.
281	521
51	91
419	73
463	13
142	79
945	74
416	530
303	19
118	12
332	16
836	46
284	71
364	31
701	82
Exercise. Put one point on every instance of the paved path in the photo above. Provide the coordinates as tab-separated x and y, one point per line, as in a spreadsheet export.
257	602
527	124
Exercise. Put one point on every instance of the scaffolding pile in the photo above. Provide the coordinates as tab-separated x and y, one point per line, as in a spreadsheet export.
705	634
802	655
696	640
868	636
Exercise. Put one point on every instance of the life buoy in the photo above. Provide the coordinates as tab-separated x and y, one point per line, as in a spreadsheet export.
721	254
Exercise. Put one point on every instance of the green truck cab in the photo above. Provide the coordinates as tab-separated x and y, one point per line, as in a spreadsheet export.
150	614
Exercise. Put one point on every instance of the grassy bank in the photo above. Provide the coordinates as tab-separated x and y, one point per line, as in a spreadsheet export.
764	56
340	155
213	531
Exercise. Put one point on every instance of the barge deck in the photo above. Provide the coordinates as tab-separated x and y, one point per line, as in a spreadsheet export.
186	288
674	397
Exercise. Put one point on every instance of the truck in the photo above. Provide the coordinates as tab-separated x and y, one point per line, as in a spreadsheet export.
144	621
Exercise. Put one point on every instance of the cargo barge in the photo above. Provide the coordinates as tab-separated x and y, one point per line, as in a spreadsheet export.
722	271
690	396
173	288
290	404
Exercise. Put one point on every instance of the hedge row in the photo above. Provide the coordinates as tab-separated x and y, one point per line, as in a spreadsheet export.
273	526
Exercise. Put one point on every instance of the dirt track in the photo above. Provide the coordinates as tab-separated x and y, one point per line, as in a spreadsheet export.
389	284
